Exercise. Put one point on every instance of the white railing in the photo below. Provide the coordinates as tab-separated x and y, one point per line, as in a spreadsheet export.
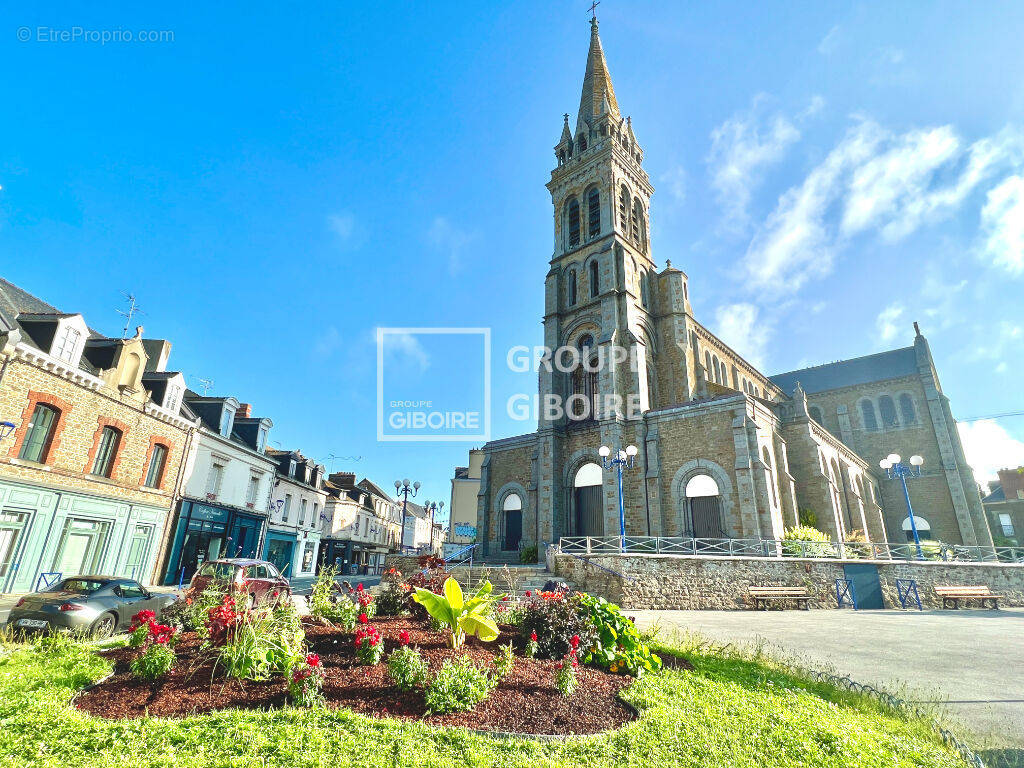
885	550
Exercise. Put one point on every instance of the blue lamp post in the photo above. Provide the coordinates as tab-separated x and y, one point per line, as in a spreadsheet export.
623	459
895	468
403	489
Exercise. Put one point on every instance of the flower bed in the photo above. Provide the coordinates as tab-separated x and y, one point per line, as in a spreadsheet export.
525	701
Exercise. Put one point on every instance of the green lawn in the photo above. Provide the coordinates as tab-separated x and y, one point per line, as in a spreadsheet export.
729	713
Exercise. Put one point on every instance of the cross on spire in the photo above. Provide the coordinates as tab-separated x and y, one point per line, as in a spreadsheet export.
593	10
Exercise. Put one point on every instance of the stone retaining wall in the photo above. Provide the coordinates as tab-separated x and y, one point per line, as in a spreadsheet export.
685	582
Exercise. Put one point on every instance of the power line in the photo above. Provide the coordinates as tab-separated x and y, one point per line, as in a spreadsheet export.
1007	415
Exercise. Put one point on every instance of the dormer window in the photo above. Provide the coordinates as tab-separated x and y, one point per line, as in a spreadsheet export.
291	468
261	439
227	421
66	346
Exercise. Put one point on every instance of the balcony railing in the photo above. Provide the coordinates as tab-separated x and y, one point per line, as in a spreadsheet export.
885	550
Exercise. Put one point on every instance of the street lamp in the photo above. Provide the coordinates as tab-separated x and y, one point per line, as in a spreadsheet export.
894	468
623	459
403	489
432	507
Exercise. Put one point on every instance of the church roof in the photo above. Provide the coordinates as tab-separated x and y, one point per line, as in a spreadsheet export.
847	373
598	95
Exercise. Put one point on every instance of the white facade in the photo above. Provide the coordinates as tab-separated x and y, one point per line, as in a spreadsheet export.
223	472
296	508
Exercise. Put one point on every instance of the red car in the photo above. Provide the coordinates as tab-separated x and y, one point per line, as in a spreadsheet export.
257	579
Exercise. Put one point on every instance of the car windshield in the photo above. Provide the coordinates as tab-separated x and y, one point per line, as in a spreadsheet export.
220	571
81	586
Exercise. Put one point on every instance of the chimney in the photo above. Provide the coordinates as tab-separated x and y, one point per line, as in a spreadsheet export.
244	411
346	480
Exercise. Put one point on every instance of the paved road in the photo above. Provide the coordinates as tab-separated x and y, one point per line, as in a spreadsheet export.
969	663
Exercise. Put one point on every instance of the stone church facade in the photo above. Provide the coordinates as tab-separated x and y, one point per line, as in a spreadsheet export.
724	451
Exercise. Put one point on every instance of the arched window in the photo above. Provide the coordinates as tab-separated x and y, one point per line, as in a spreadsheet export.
624	209
717	365
572	222
907	412
638	225
571	287
867	412
581	142
887	410
36	444
723	374
130	372
924	529
702	515
771	473
512	530
587	516
594	212
708	368
584	383
816	414
595	280
110	439
645	289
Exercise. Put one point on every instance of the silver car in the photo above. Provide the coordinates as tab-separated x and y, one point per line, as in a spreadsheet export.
96	606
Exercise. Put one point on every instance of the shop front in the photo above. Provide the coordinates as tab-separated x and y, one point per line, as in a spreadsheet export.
280	550
208	532
52	533
306	554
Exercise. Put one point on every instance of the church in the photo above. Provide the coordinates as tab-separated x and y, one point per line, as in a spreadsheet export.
723	451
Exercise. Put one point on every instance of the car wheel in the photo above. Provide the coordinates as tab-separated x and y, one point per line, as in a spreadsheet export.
103	627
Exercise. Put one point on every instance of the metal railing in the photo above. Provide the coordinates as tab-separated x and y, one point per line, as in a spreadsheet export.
884	550
463	557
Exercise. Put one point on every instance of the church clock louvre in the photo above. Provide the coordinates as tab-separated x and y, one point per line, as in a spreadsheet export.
724	450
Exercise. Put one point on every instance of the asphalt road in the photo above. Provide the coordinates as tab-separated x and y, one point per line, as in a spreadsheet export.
967	664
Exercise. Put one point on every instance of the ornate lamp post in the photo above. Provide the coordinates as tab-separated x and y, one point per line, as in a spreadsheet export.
403	489
623	459
432	507
895	468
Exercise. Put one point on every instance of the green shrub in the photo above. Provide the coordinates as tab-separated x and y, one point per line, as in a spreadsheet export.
566	676
856	545
509	612
528	554
407	668
503	661
262	642
462	617
802	541
391	600
327	604
555	618
155	662
807	518
618	645
457	687
191	611
306	681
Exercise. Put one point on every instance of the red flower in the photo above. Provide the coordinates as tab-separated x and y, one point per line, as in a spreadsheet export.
359	587
403	637
533	636
359	641
313	660
575	642
364	619
275	593
528	593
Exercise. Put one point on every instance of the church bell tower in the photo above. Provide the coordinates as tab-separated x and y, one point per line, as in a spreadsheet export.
598	288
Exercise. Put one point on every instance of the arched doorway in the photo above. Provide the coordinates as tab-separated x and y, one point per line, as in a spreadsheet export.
924	528
512	512
588	511
702	516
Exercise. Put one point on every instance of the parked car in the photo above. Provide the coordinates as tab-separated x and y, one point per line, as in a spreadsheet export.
257	580
97	606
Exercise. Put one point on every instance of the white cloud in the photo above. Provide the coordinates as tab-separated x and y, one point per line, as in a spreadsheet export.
829	41
739	327
741	148
674	180
989	447
794	245
346	228
451	240
1002	222
890	184
888	322
404	349
997	341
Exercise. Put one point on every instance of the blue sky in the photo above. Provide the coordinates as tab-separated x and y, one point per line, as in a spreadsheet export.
279	180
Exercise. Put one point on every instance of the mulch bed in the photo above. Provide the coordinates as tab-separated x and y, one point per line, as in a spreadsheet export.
524	702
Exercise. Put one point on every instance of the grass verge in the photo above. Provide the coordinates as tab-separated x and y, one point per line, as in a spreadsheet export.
729	712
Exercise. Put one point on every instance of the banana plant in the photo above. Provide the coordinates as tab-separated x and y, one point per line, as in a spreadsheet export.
462	617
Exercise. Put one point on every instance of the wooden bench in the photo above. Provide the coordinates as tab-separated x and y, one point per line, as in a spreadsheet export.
763	595
952	595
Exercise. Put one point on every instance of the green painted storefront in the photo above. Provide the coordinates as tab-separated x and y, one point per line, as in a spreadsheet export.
47	531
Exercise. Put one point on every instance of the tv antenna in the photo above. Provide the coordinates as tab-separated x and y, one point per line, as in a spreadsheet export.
133	309
206	384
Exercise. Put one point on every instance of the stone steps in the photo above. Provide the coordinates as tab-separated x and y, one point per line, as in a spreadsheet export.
527	578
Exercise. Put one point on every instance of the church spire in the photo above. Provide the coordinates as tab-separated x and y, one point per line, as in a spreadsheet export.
598	96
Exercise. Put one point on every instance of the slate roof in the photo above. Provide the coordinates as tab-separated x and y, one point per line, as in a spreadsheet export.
14	301
847	373
997	494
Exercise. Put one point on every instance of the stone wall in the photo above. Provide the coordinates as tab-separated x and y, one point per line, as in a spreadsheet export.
691	583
